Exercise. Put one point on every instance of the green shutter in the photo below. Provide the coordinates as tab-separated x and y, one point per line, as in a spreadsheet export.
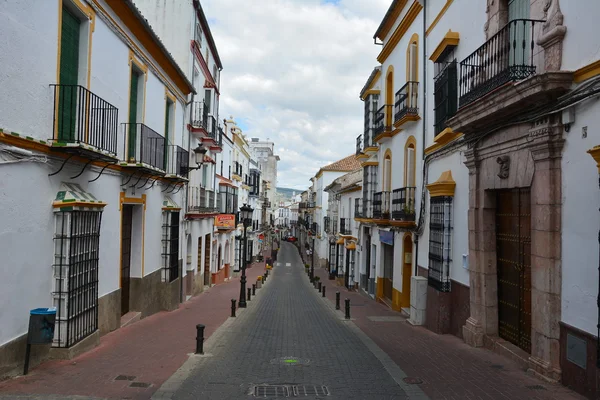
167	118
69	66
518	32
133	94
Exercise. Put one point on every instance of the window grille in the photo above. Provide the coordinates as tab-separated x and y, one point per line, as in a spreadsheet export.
76	248
170	250
332	266
351	257
440	243
340	263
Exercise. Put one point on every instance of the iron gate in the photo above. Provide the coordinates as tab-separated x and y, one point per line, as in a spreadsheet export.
513	252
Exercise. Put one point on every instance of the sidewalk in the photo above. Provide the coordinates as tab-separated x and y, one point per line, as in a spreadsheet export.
147	353
448	368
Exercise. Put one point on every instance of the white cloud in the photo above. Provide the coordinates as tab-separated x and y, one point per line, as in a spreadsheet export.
293	70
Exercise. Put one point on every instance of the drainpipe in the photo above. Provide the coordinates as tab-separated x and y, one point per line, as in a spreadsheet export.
424	117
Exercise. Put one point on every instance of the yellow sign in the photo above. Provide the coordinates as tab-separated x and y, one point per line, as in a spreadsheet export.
225	221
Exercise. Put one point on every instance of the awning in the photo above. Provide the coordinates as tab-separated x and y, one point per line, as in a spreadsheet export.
170	205
340	241
71	197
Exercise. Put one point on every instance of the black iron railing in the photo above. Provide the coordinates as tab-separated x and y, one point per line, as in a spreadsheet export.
345	226
505	57
211	127
380	122
358	208
84	118
359	146
406	102
201	200
144	145
200	114
403	204
381	205
445	95
327	224
178	161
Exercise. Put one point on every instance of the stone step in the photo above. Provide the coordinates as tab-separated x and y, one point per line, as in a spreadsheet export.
130	318
405	311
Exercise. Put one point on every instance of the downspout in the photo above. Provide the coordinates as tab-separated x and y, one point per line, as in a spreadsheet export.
424	120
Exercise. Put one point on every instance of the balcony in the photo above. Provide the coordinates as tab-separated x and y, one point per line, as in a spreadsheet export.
381	205
505	57
200	115
358	208
380	120
201	201
144	148
403	204
205	127
406	106
445	96
84	124
359	145
345	226
178	160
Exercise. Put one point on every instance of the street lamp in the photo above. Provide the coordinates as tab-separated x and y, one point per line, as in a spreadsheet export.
246	215
199	153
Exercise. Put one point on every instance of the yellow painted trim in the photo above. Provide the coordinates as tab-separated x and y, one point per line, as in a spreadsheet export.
438	17
370	91
379	281
595	153
406	22
410	142
396	299
59	204
387	154
444	186
443	138
395	132
382	136
372	148
134	62
587	72
340	241
132	200
388	22
171	208
356	189
389	95
369	164
361	156
450	39
413	39
405	119
351	246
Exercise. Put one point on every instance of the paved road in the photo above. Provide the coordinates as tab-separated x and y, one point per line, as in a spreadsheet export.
289	320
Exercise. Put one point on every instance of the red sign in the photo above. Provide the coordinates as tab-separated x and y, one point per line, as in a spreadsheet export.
225	221
261	236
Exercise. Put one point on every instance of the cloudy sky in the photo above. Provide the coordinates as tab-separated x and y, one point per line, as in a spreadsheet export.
292	73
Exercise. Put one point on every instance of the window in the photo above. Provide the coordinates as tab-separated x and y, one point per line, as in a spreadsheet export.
198	35
440	243
169	122
170	244
76	248
445	92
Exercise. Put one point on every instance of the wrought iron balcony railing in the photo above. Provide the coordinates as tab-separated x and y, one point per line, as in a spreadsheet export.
406	101
178	161
81	117
505	57
403	204
200	114
381	205
201	200
358	208
381	120
144	146
345	226
359	145
445	95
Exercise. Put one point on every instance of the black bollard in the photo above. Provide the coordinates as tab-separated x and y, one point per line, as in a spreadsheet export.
347	301
199	339
233	307
323	291
319	286
249	294
254	289
337	300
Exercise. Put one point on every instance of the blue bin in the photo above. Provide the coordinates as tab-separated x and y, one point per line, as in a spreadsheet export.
41	325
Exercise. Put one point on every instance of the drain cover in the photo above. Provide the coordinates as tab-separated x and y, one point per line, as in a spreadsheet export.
271	391
536	387
125	378
290	391
140	384
413	381
290	360
310	390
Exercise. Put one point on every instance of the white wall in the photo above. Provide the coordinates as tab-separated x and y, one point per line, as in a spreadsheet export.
581	20
580	221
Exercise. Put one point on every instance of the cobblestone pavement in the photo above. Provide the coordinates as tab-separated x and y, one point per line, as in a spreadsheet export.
150	351
289	336
448	368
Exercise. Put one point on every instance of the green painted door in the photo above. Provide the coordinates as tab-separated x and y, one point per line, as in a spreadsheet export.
167	124
133	105
519	31
69	66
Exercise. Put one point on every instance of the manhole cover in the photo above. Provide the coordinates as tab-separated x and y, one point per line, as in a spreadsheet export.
413	381
536	387
290	360
276	391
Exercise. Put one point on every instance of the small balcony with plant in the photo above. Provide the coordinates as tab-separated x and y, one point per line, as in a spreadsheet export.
381	205
403	204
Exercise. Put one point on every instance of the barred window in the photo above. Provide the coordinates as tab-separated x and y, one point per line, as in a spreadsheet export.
440	243
340	263
351	257
76	252
170	243
332	256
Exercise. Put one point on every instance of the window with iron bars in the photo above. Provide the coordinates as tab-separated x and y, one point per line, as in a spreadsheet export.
75	270
170	246
440	243
332	266
369	185
340	263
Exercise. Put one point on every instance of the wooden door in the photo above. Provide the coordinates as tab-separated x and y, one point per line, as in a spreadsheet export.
513	251
388	271
199	260
207	260
69	72
126	224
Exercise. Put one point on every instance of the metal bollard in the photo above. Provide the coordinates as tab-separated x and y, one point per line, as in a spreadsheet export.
254	289
200	339
323	291
233	307
249	294
319	286
337	300
347	301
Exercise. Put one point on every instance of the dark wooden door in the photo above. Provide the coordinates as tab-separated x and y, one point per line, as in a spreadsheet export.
207	260
513	251
133	107
199	260
388	271
126	224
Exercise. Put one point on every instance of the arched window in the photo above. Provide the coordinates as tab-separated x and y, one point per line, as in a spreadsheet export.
387	171
410	149
412	71
389	95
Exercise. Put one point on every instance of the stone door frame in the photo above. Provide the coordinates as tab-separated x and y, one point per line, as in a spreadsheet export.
526	155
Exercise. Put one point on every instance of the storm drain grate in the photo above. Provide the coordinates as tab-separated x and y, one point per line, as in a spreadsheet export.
536	387
267	391
125	378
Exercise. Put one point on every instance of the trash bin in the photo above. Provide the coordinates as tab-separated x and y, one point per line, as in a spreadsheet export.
41	325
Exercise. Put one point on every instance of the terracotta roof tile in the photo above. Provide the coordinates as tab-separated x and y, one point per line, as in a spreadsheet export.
349	163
